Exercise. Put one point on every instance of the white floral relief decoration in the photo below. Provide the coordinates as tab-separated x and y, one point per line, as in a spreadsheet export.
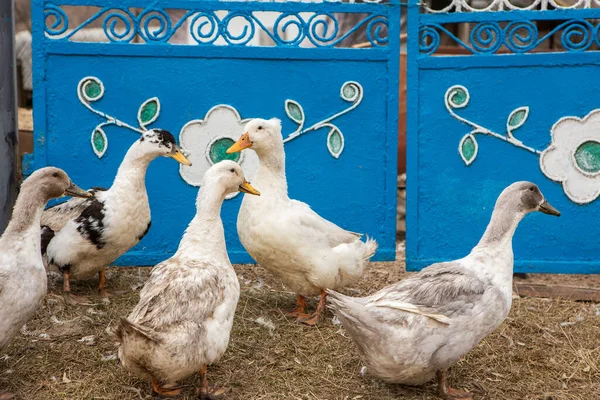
205	141
572	158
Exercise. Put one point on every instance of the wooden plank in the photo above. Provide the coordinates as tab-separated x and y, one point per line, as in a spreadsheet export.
556	291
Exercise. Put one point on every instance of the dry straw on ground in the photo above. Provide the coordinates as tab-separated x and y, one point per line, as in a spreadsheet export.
547	349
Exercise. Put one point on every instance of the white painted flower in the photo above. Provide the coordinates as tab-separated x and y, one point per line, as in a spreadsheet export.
205	141
573	157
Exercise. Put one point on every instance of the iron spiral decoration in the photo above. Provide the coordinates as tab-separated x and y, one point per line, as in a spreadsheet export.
248	30
518	36
289	22
204	28
521	36
377	31
160	33
486	37
60	22
119	19
429	39
577	35
233	27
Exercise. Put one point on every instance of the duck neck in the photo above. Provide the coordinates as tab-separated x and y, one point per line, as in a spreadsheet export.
500	230
495	249
131	176
204	237
493	257
271	173
27	213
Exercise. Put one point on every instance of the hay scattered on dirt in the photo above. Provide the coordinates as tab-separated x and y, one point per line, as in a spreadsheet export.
547	349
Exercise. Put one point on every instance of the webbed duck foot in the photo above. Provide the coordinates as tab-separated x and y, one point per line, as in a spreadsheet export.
215	393
70	298
455	394
295	313
105	293
6	396
311	320
168	391
204	393
448	393
74	300
300	309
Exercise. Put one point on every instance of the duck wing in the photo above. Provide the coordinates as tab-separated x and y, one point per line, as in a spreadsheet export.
179	293
310	220
82	210
438	293
442	289
56	217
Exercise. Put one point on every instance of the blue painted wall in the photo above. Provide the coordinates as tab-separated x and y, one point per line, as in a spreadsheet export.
450	203
356	191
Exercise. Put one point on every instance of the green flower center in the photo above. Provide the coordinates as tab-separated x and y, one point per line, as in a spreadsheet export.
587	156
218	148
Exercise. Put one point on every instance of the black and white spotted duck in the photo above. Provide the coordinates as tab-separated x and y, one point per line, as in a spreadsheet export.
81	237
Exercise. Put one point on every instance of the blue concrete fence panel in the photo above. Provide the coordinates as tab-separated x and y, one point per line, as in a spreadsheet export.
511	108
338	105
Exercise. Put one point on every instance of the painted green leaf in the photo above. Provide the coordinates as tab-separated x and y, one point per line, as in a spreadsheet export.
468	148
587	156
148	112
458	96
294	110
517	118
335	141
218	148
99	142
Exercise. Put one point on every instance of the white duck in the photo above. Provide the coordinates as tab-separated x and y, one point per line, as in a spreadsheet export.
416	329
305	251
185	313
81	237
22	273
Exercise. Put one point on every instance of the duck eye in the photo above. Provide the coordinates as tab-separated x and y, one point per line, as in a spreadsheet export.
260	128
532	188
232	170
55	174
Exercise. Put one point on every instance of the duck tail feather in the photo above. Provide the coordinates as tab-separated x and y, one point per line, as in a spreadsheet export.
351	313
370	248
336	298
340	304
358	235
412	309
129	327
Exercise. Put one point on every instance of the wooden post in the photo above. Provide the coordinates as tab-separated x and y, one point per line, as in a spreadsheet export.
9	142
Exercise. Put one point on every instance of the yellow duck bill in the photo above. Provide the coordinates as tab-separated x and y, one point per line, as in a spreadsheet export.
245	187
178	156
242	143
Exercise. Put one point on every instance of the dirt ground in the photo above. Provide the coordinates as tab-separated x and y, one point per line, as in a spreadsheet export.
546	350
